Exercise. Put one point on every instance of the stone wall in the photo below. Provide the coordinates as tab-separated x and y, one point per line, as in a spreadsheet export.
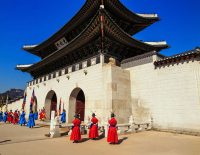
169	95
104	87
91	84
117	92
17	105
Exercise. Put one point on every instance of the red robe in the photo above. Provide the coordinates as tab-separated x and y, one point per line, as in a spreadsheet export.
15	118
10	117
76	133
93	133
42	115
112	132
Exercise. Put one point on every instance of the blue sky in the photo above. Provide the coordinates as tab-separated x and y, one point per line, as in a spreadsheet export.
33	21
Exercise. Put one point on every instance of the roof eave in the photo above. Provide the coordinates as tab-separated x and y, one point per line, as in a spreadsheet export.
150	19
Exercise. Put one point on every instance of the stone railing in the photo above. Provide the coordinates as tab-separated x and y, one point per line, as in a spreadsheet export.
130	127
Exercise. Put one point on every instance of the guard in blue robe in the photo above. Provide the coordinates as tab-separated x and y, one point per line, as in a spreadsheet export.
36	115
22	120
1	116
31	120
5	117
63	117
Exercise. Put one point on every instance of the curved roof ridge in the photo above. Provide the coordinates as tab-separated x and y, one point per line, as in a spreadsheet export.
66	25
129	12
195	51
78	18
146	15
129	36
157	43
69	44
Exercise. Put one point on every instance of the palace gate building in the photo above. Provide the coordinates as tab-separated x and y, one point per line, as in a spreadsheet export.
94	64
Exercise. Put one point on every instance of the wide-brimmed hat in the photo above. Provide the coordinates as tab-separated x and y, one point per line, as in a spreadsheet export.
76	115
112	115
93	114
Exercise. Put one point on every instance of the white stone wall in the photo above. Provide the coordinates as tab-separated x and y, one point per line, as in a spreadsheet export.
106	89
17	105
91	84
170	95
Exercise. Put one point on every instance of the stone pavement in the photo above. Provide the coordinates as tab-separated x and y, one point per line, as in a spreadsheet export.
10	133
16	140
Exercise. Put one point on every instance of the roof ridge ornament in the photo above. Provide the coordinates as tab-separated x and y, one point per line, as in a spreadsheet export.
101	6
29	46
146	15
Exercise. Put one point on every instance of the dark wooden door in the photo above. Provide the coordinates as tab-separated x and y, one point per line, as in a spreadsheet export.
53	106
80	109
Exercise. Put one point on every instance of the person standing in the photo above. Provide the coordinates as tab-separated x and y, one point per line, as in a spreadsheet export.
1	116
76	133
22	120
18	113
93	133
42	115
31	121
5	117
15	117
63	116
36	115
10	116
112	131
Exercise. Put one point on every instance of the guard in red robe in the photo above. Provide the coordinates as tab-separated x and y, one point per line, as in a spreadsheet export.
93	133
76	133
112	131
10	116
42	115
15	117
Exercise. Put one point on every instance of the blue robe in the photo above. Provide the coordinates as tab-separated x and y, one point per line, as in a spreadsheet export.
63	117
1	116
22	119
5	117
31	121
36	115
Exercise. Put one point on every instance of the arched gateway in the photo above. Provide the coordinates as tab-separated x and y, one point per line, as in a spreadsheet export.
76	104
50	103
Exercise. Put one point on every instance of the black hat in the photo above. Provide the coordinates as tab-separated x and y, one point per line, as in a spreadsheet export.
112	115
93	115
76	115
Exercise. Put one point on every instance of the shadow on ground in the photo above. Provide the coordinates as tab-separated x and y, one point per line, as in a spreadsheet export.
84	140
4	141
121	140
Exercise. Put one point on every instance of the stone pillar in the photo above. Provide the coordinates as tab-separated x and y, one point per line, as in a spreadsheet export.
150	125
131	123
54	126
106	127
